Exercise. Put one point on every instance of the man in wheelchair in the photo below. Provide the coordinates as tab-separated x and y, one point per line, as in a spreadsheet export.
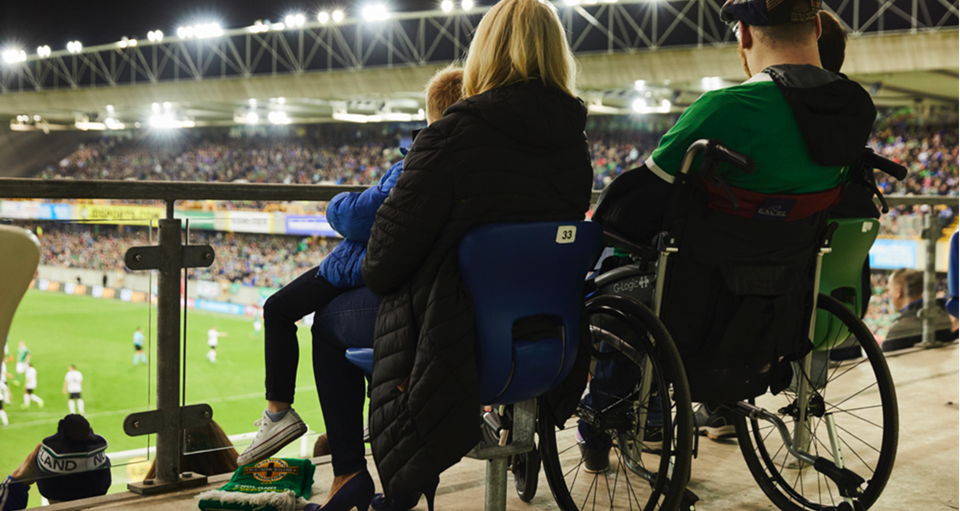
738	298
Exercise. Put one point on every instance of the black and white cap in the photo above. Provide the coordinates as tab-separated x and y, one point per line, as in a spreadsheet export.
73	464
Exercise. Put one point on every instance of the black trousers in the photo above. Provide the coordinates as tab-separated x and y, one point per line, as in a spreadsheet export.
308	293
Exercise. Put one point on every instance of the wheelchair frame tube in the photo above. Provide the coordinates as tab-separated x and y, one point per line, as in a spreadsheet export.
801	432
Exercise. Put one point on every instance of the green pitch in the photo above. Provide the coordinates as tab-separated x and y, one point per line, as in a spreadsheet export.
96	335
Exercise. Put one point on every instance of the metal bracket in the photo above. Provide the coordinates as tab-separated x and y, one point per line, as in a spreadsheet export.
524	427
146	423
151	487
148	258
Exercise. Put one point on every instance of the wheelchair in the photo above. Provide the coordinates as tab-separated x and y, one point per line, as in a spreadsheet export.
827	440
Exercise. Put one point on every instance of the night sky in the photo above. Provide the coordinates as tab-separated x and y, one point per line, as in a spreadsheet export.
31	23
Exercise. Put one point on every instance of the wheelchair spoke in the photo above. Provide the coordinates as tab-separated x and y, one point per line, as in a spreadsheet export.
847	431
861	391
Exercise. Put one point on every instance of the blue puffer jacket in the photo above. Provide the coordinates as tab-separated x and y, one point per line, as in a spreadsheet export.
352	214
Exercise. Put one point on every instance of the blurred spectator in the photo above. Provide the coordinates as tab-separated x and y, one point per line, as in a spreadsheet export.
906	295
832	43
207	451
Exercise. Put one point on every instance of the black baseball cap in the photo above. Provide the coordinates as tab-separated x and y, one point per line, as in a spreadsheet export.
761	13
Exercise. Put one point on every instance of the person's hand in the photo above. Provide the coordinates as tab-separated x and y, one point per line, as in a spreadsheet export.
26	472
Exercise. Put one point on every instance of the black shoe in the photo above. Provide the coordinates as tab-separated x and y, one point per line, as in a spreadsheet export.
716	421
595	461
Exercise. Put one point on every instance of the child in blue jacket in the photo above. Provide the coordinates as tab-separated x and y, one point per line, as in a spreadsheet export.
351	214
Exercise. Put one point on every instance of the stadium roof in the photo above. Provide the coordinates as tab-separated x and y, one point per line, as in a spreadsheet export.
635	55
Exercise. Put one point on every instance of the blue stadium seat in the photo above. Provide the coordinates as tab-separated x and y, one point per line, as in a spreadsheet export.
522	271
952	302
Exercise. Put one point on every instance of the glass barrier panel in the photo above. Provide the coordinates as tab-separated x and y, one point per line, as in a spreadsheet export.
224	353
72	346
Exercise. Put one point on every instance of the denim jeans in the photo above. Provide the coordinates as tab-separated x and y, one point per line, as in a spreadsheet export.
346	322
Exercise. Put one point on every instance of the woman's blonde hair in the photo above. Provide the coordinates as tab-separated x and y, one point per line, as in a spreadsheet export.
519	40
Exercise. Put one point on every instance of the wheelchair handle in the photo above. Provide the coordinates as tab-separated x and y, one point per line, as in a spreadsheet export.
714	149
875	161
724	153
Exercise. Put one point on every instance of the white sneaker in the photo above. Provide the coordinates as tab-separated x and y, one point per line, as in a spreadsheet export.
272	436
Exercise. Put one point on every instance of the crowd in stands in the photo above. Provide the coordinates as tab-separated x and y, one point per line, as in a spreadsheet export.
246	259
925	142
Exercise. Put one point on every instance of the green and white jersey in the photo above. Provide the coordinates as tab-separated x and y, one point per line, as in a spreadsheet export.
754	119
22	354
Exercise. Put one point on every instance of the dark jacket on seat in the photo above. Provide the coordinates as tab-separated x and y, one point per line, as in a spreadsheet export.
514	154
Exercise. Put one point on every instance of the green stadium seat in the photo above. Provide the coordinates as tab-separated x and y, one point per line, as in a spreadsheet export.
841	275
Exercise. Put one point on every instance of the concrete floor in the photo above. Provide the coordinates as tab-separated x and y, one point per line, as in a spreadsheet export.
926	475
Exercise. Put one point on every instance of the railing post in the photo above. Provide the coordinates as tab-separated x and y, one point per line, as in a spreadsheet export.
929	312
168	351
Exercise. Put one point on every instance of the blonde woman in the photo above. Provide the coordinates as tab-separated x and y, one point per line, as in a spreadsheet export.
513	150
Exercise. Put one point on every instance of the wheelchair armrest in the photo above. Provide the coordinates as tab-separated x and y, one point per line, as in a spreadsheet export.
617	240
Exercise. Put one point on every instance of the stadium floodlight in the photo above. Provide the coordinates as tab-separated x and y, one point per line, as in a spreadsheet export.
74	47
36	118
155	36
43	51
124	42
343	116
252	117
156	108
294	20
639	105
396	117
167	105
591	2
665	104
323	17
259	26
640	85
281	100
208	30
167	121
711	83
113	124
571	2
252	102
278	117
446	5
337	16
14	56
466	4
110	108
376	12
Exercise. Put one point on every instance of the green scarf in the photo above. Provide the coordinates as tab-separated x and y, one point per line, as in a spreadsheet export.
275	484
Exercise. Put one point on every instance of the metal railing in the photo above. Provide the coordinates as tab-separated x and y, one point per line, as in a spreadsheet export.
171	256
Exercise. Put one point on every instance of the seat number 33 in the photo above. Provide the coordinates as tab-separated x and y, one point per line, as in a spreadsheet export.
566	234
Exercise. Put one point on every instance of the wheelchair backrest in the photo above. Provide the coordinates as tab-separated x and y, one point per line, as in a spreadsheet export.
737	294
952	268
526	280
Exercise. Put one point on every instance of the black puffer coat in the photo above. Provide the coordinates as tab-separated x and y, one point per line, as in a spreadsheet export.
514	154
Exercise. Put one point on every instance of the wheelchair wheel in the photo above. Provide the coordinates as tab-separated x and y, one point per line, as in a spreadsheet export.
526	474
637	410
854	387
